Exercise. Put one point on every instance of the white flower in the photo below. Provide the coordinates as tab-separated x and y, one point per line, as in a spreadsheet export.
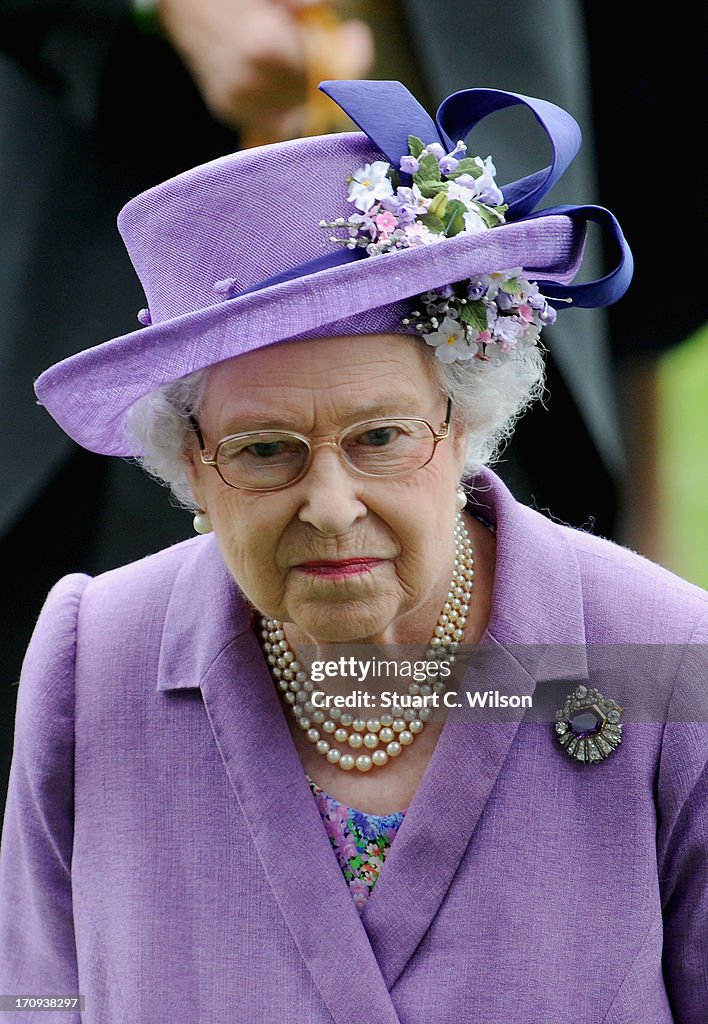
474	224
461	192
498	278
487	187
449	342
369	184
508	332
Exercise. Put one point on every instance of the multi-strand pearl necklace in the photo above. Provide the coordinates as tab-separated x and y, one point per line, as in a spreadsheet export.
372	742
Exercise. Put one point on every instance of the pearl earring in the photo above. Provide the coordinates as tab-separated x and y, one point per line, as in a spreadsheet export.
460	499
201	522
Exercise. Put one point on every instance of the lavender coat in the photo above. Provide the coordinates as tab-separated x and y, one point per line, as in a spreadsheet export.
164	857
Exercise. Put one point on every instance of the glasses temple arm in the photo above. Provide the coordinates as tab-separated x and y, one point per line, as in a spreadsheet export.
195	427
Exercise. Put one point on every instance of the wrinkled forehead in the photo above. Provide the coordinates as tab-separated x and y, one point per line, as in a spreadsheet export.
338	380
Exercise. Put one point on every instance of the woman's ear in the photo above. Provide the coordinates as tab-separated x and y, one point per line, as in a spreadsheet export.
193	468
460	439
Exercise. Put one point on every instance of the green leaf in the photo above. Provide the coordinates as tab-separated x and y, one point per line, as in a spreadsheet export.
428	170
488	214
512	286
474	314
433	223
454	217
415	145
439	205
468	165
429	189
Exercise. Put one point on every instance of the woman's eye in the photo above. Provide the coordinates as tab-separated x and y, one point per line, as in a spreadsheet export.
265	449
378	436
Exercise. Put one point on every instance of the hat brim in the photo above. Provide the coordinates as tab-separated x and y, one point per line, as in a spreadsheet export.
90	393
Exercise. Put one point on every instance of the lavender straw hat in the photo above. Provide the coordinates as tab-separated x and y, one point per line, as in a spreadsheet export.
232	255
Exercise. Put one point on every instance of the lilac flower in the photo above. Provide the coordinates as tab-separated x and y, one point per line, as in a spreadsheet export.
484	188
488	192
476	289
414	198
548	315
505	301
435	149
409	165
448	164
369	184
467	181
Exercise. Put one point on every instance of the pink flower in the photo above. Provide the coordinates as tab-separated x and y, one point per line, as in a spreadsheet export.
348	848
418	234
526	313
386	223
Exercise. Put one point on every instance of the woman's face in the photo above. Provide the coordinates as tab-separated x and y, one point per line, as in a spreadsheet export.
291	550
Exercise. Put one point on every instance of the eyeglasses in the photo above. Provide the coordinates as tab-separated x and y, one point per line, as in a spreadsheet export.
269	460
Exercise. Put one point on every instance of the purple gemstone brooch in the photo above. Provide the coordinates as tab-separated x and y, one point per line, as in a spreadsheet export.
588	726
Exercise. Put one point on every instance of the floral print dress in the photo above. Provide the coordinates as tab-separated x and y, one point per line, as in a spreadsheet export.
359	840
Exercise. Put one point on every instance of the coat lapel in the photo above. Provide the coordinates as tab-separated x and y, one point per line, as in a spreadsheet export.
526	642
209	642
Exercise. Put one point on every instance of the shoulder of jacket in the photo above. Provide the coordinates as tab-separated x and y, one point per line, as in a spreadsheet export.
141	585
631	586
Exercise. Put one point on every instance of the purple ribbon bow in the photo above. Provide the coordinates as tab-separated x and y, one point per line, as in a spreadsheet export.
388	113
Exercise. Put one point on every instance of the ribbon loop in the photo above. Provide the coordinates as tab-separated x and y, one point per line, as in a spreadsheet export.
605	290
387	112
461	112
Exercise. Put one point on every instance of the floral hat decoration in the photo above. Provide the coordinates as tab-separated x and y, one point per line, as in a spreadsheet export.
490	317
398	228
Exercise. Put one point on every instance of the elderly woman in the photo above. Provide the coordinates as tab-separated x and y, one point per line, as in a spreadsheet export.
221	807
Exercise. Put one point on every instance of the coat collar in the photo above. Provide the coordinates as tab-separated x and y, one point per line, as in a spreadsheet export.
537	632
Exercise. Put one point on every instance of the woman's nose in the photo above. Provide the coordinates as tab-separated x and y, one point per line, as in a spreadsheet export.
331	501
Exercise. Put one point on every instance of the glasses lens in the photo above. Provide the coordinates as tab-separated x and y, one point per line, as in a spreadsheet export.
261	461
388	447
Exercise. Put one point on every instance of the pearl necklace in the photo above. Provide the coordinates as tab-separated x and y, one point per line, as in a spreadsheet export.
384	737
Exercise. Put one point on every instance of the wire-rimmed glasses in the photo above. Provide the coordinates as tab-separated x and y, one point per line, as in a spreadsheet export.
269	460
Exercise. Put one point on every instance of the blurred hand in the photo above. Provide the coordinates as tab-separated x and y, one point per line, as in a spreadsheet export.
254	61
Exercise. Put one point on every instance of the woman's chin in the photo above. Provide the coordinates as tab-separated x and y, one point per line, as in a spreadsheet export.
347	622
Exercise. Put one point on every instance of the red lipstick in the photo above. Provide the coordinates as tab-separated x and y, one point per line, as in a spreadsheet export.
339	568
